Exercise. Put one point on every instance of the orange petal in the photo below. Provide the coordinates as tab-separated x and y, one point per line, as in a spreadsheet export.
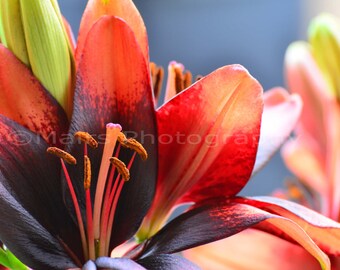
252	250
24	100
124	9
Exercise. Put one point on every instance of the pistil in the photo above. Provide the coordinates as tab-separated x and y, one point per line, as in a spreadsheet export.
112	132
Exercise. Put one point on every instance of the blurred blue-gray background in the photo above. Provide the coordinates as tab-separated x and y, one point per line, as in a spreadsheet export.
207	34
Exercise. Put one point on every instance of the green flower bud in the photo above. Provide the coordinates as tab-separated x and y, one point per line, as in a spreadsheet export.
35	33
13	36
324	37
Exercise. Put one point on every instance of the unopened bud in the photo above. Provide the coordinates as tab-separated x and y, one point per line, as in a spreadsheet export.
35	33
324	36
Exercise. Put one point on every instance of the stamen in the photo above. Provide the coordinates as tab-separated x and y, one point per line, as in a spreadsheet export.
86	138
121	138
187	79
121	168
106	215
157	75
87	173
88	206
179	81
182	79
76	208
113	205
112	132
134	145
294	191
62	154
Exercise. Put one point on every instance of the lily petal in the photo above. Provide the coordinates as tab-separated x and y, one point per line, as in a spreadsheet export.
115	87
23	99
333	158
280	115
208	136
125	10
227	218
25	236
252	250
168	262
305	78
33	178
214	129
324	231
117	264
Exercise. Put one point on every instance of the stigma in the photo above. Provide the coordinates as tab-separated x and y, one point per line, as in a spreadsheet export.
96	226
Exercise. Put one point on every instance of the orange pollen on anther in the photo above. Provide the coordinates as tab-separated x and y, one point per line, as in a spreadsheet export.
134	145
182	79
157	76
86	138
87	173
62	154
121	138
121	168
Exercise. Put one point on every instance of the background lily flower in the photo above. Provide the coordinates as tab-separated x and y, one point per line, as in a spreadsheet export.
113	85
318	132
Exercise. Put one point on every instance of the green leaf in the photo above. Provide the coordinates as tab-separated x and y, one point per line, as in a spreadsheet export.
9	260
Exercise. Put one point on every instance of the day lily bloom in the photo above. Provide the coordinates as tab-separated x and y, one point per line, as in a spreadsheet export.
313	156
66	205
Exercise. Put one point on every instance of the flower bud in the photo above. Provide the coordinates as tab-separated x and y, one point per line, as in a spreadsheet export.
35	33
324	36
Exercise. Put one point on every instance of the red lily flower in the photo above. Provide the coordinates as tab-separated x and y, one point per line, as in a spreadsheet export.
313	156
47	223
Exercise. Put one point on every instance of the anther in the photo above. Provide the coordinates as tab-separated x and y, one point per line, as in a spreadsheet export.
134	145
62	154
121	138
121	167
187	79
138	147
294	190
86	138
182	79
157	76
87	173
